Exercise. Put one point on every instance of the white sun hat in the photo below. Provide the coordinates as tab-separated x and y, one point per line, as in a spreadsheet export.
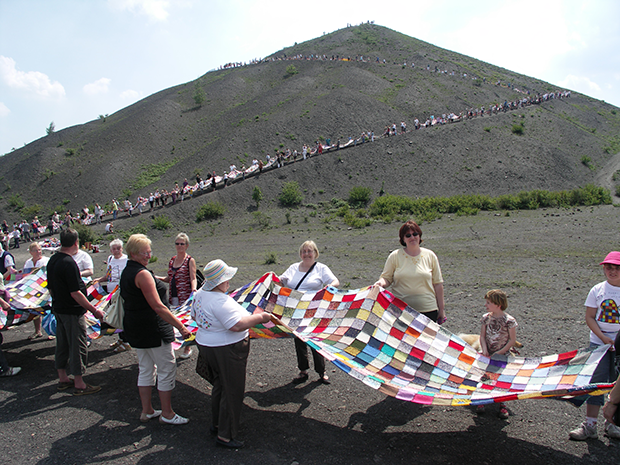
216	272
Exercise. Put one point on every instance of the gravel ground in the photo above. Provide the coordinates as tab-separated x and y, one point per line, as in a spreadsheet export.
546	260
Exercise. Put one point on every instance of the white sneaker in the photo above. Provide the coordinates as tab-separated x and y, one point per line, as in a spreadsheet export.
583	432
612	430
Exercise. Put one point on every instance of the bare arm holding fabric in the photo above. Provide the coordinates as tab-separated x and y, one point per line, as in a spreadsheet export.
145	283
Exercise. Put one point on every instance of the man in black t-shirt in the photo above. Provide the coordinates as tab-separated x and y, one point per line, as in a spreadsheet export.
69	304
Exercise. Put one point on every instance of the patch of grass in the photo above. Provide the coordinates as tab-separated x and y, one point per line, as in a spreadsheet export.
138	229
152	173
210	211
587	161
517	129
271	258
263	220
161	222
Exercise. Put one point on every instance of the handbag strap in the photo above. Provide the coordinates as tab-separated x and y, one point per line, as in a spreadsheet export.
304	276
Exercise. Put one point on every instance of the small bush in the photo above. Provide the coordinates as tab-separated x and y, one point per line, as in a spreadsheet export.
16	202
86	234
210	211
517	129
31	211
262	220
587	161
359	196
618	191
257	195
271	258
291	195
161	222
291	70
138	229
199	95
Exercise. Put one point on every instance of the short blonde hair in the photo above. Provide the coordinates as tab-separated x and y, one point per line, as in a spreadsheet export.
498	297
136	243
184	237
312	245
34	245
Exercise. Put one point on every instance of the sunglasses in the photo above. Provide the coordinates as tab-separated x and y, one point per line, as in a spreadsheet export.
179	243
414	234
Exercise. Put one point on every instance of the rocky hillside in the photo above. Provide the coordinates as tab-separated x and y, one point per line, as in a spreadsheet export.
284	102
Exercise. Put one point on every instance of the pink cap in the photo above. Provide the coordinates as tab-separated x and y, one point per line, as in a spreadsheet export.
612	257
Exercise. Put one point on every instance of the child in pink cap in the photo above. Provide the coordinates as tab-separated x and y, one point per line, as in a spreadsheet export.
603	319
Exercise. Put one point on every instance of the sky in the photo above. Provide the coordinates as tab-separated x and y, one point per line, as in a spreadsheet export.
69	61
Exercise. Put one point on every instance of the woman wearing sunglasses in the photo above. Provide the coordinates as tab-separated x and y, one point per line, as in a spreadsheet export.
415	275
181	278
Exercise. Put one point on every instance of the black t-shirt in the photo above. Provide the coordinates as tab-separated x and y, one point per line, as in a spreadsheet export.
63	278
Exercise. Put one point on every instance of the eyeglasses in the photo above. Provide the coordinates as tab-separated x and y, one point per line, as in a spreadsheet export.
179	243
414	234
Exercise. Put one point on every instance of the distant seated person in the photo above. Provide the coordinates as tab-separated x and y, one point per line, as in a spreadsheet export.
109	228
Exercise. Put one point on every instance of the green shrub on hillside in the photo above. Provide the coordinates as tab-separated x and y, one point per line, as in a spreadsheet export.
161	222
138	229
86	234
31	211
210	211
291	195
517	129
16	202
390	207
257	195
359	196
199	94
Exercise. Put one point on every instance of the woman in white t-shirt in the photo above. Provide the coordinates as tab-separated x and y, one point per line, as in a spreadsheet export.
37	261
116	263
308	275
223	341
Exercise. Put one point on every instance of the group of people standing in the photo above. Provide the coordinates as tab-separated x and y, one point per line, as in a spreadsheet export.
412	273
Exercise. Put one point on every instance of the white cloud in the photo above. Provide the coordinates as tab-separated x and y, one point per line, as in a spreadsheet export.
130	94
100	86
156	10
31	81
581	84
4	110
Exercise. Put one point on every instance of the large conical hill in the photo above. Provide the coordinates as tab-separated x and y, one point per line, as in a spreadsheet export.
251	111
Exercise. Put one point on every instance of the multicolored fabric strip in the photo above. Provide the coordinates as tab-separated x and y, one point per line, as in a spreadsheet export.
376	338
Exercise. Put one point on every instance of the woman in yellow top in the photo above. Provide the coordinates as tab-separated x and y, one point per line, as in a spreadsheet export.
415	275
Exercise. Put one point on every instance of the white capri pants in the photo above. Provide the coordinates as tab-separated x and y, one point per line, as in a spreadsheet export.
157	362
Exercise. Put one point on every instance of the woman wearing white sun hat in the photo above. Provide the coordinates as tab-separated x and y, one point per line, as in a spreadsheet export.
223	341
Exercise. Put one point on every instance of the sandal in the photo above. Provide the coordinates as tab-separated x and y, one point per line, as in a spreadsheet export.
123	347
324	379
175	420
64	385
503	413
87	390
145	417
35	336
